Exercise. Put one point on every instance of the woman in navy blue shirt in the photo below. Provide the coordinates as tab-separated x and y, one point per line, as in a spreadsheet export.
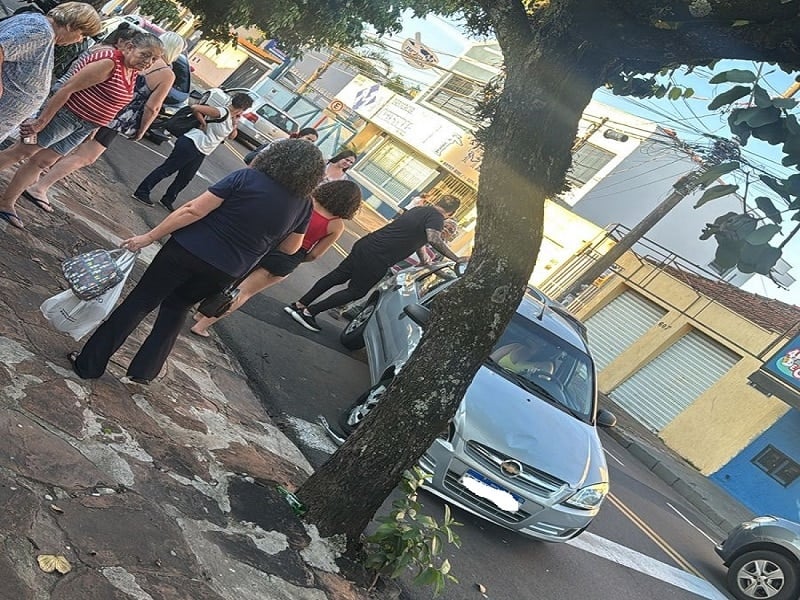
216	239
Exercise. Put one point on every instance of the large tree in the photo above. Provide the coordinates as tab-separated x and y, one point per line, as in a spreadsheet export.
557	53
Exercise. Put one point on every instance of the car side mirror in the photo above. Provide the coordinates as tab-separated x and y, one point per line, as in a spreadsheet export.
418	313
606	418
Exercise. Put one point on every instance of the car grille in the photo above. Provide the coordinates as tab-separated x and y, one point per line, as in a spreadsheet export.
531	479
453	484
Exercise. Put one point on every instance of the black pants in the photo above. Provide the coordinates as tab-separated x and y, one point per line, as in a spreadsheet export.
359	268
173	283
185	159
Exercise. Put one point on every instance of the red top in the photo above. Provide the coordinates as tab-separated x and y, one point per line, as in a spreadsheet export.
317	229
101	102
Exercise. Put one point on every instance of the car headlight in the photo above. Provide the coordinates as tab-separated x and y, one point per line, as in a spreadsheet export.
752	523
589	497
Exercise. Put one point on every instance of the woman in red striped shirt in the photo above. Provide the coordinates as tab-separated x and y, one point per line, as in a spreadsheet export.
101	86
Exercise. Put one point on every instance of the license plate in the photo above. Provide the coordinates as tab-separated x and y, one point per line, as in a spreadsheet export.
496	494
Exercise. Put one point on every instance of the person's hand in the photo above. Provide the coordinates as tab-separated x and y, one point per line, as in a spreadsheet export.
462	260
31	126
136	243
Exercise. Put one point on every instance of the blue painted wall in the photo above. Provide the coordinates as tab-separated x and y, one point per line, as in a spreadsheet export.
754	488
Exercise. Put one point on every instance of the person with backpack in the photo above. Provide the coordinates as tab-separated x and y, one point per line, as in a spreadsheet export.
213	126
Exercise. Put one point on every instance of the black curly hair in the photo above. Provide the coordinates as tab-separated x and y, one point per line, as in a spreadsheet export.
341	198
295	164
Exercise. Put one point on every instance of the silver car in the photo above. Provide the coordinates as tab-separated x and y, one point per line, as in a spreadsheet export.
263	123
522	450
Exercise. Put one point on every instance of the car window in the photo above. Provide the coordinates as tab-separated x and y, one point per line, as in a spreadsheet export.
277	118
430	281
562	372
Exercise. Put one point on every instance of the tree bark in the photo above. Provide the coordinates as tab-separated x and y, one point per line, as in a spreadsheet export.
526	155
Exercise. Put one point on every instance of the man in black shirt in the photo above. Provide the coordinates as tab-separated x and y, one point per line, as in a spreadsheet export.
372	256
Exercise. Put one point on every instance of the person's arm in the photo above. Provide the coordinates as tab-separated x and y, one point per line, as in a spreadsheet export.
184	215
291	243
235	131
90	75
335	230
160	82
422	255
201	111
438	244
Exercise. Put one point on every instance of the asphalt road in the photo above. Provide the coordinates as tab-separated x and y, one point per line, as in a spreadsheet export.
645	543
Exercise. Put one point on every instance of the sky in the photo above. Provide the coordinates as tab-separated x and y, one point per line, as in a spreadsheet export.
690	117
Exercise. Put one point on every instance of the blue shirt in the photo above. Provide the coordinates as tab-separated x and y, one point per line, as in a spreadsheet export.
27	41
256	214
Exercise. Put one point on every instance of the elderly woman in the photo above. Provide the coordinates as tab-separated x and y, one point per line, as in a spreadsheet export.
26	56
152	87
101	86
215	240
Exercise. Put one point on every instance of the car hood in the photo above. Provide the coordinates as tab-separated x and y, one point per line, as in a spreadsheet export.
503	416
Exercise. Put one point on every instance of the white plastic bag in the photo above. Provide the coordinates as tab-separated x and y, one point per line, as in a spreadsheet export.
69	314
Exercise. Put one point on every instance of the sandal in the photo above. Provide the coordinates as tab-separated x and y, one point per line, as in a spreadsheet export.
72	357
43	205
12	219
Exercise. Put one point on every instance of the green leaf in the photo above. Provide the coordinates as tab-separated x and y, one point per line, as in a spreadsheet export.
732	95
734	76
784	103
761	97
717	191
762	235
766	206
715	173
675	93
775	186
772	133
426	577
660	91
727	255
688	93
445	567
758	259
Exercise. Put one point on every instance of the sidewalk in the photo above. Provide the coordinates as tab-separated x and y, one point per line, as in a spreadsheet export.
719	507
160	492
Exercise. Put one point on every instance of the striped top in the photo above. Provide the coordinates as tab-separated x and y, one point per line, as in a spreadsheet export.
101	102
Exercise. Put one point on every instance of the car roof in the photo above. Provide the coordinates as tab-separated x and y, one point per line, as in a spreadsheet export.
535	309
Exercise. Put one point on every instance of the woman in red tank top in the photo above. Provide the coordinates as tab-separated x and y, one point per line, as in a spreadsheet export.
91	97
334	202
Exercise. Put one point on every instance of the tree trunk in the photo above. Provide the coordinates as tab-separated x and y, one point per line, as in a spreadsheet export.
526	155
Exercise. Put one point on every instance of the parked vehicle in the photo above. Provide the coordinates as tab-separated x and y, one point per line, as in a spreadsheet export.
763	559
522	450
264	122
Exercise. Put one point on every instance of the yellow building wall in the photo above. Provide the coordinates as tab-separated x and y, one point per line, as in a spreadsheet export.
727	416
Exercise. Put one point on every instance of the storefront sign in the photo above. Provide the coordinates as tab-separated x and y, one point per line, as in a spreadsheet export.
364	96
417	54
785	364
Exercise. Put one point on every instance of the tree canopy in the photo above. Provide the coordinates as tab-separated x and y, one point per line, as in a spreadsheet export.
557	53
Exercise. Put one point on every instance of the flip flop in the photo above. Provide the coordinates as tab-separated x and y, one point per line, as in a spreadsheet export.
12	219
42	205
198	334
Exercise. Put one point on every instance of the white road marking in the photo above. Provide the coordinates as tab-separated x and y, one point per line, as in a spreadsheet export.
311	435
614	457
642	563
682	516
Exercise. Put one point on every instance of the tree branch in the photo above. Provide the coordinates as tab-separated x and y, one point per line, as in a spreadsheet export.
511	26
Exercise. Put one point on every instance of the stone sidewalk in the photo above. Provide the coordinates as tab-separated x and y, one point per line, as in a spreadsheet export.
164	492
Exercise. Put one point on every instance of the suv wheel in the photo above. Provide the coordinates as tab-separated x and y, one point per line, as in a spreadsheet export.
352	417
763	574
352	337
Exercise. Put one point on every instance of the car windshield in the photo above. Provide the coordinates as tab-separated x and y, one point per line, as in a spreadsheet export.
277	118
546	365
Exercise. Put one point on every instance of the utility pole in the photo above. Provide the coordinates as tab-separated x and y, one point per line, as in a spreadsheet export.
681	188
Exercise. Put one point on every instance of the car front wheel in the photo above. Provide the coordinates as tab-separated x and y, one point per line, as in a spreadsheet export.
352	417
763	574
352	337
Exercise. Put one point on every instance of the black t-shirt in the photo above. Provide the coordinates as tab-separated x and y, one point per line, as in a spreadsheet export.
254	217
403	236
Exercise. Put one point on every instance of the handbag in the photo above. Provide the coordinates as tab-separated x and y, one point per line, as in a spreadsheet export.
91	274
217	305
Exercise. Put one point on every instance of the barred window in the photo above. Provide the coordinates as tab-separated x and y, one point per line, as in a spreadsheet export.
458	96
587	162
394	170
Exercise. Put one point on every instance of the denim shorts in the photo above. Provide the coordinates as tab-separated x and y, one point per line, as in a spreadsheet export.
65	132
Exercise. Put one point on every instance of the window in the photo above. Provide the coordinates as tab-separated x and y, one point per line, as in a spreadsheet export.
459	97
587	162
277	118
395	171
777	465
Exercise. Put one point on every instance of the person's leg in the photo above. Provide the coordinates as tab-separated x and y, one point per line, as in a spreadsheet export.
366	273
84	155
341	274
16	153
150	359
256	282
26	175
185	175
176	159
167	271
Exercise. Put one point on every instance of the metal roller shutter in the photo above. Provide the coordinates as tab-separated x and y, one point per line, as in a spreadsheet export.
666	386
619	324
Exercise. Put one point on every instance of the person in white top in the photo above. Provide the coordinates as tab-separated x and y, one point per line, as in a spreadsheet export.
191	149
